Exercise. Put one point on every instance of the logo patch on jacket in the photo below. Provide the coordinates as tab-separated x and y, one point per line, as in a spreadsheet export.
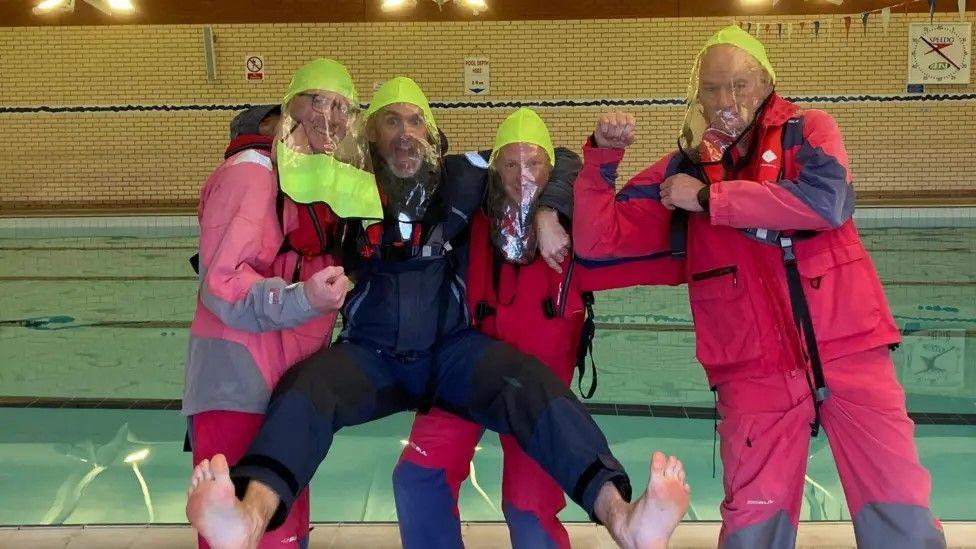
769	156
274	296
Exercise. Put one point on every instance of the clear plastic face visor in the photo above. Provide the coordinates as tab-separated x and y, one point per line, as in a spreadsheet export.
323	122
517	178
727	89
406	158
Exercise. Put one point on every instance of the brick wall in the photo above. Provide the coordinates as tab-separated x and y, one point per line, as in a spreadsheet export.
159	158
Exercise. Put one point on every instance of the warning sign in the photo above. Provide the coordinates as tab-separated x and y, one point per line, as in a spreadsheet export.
477	77
254	68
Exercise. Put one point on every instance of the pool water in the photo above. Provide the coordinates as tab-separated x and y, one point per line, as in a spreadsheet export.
84	316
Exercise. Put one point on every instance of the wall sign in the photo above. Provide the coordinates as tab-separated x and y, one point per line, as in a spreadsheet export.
477	78
254	68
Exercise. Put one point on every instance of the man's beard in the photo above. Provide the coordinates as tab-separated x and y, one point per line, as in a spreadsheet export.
406	198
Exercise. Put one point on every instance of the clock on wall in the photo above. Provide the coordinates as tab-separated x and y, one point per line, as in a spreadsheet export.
938	53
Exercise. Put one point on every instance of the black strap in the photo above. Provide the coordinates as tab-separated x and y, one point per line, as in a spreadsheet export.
679	233
549	308
586	348
804	325
482	311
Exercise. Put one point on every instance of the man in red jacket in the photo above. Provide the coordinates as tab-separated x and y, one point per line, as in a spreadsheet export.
513	295
791	323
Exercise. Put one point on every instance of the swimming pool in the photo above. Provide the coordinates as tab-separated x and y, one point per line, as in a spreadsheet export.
94	316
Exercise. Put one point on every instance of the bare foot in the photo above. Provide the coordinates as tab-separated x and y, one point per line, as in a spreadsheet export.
214	510
649	522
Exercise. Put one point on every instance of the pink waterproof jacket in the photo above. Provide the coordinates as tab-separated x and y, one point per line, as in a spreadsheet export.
252	319
797	178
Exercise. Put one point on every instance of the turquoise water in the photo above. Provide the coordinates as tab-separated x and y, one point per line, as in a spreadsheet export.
107	317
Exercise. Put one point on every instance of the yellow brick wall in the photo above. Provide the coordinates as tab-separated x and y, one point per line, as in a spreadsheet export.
132	158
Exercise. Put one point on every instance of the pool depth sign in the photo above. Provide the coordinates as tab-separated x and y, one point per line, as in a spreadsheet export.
939	53
477	76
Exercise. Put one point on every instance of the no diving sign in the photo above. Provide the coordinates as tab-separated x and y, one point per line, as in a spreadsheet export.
254	68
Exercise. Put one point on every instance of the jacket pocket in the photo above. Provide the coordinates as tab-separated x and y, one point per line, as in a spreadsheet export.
839	290
726	329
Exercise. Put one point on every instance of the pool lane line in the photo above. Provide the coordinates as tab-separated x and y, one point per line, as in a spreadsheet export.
116	248
55	278
44	278
91	248
594	408
64	322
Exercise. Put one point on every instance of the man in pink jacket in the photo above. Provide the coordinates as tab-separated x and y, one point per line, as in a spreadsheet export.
791	323
267	299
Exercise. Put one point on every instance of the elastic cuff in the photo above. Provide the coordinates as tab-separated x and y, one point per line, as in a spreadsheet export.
605	469
272	474
297	305
300	297
600	155
718	203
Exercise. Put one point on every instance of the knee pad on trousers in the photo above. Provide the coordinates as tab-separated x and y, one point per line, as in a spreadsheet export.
504	377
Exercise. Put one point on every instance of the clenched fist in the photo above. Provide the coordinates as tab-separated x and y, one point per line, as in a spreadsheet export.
615	130
326	290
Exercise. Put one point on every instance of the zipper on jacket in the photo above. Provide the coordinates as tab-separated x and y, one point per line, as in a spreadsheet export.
296	276
318	228
565	291
715	273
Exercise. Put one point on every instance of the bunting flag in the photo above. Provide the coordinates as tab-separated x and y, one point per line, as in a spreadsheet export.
764	29
931	10
962	10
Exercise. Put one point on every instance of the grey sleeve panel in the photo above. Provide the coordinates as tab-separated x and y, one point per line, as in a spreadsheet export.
222	375
558	193
269	305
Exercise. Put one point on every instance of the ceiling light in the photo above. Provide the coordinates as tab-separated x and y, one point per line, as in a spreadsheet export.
476	6
108	7
48	6
121	5
391	5
112	7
